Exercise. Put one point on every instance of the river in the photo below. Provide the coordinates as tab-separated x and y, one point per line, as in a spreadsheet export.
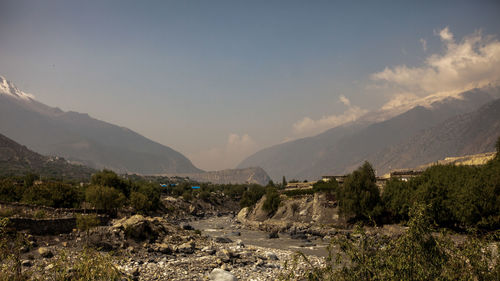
226	226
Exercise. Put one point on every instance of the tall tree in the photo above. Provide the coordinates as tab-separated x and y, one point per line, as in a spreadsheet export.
359	196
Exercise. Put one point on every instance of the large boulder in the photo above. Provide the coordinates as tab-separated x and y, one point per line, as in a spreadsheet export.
45	252
143	228
221	275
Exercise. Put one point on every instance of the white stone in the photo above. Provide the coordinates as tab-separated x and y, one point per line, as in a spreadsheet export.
221	275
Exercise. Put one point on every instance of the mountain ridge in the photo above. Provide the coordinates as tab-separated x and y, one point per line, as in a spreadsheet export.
81	138
340	149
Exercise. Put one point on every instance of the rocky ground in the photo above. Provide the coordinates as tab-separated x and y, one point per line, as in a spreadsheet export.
147	248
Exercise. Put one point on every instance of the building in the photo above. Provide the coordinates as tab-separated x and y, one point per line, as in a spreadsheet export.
339	179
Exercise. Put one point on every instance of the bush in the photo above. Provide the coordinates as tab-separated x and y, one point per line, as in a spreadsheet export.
87	265
415	255
328	187
85	222
53	194
252	195
111	179
187	196
103	197
272	201
145	197
204	195
298	192
139	202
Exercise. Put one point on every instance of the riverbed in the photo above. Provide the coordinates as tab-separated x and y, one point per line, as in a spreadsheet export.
227	226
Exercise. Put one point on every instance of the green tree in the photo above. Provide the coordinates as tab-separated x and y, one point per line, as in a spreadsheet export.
359	196
111	179
283	182
272	201
104	197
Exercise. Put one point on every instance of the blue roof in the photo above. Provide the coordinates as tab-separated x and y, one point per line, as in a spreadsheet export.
195	187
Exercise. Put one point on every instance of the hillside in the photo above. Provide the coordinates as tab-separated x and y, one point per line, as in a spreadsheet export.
465	134
16	159
81	138
341	149
231	176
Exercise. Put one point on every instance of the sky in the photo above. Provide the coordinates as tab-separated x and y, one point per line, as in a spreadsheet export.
219	80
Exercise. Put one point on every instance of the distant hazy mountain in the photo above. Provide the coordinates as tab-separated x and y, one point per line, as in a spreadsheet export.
81	138
236	176
16	159
341	149
465	134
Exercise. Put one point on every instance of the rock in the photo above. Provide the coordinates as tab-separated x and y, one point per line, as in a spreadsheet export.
49	267
187	248
186	226
273	235
235	233
27	263
64	244
164	249
271	256
299	235
141	228
221	275
45	252
225	255
209	250
223	240
240	243
136	272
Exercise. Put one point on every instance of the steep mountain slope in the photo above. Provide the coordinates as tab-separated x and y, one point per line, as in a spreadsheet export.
466	134
231	176
16	159
338	150
79	137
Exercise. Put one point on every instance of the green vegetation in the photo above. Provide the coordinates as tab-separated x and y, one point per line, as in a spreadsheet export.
415	255
460	197
88	264
252	195
359	196
272	201
104	197
319	187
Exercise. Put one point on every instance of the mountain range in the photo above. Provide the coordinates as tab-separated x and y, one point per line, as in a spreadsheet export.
82	139
465	124
18	160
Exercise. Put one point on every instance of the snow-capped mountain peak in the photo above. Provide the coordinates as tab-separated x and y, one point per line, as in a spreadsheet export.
8	88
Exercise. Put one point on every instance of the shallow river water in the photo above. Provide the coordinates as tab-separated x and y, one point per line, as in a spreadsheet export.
227	227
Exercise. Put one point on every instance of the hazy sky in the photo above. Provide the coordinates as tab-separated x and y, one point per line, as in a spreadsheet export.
217	80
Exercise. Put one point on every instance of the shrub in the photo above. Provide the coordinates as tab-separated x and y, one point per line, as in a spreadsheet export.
272	201
415	255
204	195
111	179
140	202
85	222
252	195
298	192
187	196
87	265
103	197
53	194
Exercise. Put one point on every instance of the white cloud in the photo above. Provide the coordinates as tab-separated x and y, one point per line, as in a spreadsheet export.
308	126
473	62
345	100
237	148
